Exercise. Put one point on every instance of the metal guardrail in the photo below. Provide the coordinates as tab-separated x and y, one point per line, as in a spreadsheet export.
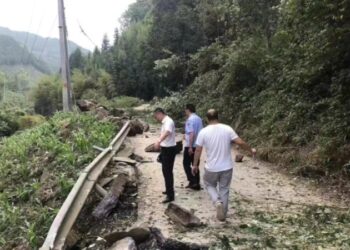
75	201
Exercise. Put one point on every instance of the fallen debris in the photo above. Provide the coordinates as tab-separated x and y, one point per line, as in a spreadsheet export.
136	128
158	241
239	158
182	216
103	192
125	160
127	151
105	207
138	234
86	105
125	244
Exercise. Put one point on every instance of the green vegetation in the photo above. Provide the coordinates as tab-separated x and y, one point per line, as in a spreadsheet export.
38	168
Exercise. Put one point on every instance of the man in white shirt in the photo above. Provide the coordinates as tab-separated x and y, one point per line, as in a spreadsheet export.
217	139
167	143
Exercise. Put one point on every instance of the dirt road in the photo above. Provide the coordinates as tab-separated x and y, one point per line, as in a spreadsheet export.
267	208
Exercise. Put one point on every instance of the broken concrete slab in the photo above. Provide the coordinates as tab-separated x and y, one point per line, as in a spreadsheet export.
182	216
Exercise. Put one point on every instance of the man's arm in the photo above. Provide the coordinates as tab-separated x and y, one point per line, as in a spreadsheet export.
197	156
244	145
191	138
162	137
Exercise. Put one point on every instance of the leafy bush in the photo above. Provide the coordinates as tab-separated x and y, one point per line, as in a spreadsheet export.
30	121
47	96
125	102
8	125
38	168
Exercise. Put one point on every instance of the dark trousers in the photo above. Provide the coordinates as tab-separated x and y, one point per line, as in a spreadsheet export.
168	159
188	162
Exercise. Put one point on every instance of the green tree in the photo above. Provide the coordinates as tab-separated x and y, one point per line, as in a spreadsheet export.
47	96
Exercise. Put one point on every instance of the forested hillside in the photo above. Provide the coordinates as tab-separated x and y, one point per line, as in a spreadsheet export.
12	54
45	49
277	70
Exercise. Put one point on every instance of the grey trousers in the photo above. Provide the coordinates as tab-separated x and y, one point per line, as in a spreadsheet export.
217	185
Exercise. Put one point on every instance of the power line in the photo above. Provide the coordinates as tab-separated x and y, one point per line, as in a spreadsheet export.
48	37
36	37
86	35
27	34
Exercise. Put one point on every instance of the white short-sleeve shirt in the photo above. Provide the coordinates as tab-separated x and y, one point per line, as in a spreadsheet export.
168	125
217	140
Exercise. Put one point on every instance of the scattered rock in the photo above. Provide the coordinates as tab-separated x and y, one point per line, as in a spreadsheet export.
239	158
138	158
311	172
158	241
102	113
124	159
117	112
138	234
136	128
86	105
125	244
127	151
182	216
73	238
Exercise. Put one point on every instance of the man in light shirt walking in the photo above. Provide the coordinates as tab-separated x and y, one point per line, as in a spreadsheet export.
167	144
217	139
193	125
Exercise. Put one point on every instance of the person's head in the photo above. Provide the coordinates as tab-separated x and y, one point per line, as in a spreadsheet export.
212	115
159	114
189	109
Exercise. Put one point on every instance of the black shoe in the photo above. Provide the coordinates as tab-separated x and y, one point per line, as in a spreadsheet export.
196	187
167	200
189	185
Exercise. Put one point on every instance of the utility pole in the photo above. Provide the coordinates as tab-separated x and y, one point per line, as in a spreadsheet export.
65	69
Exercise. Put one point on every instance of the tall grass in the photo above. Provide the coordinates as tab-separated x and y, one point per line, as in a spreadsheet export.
38	168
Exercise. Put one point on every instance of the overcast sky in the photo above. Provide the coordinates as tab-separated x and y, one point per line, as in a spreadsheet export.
97	17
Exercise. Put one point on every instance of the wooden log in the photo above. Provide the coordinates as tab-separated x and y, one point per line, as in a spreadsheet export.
101	190
103	182
105	207
182	216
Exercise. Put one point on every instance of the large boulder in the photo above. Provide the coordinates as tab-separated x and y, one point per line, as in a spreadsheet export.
86	105
136	128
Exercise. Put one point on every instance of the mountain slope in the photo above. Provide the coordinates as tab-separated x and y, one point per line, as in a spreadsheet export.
46	49
13	54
